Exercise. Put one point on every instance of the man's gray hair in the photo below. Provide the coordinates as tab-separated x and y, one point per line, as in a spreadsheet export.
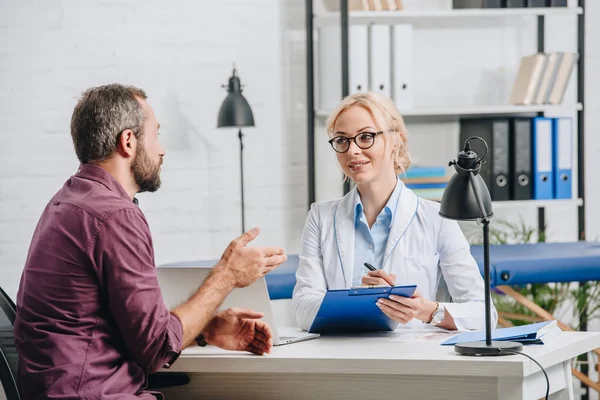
101	115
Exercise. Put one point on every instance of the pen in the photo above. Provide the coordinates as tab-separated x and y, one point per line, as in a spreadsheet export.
370	267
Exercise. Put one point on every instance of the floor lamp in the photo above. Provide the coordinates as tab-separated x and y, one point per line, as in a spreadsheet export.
467	198
235	112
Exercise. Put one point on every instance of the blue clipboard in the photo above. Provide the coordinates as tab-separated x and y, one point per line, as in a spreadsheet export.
354	310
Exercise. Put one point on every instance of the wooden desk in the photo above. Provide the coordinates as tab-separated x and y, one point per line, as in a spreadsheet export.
370	367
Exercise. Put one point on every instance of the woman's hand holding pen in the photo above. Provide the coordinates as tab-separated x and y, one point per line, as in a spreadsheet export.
378	278
404	309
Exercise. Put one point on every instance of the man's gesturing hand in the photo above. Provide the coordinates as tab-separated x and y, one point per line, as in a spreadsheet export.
244	265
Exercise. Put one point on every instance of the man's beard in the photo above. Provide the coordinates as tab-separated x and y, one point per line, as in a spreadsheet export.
146	174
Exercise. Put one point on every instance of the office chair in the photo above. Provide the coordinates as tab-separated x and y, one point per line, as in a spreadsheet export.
8	354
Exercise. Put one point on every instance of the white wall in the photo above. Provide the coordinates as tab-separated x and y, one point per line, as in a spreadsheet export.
180	52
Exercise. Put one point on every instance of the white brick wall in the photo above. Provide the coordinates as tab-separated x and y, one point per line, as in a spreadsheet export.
180	52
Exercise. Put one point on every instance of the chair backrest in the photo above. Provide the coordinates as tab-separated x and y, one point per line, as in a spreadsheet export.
9	358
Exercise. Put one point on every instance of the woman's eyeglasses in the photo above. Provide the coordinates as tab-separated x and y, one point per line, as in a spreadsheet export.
364	140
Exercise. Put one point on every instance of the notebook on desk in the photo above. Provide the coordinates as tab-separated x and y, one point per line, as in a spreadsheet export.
539	333
355	311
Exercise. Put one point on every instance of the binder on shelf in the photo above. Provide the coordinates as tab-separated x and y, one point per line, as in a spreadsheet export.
516	3
477	3
358	58
548	78
380	59
542	170
562	131
496	171
567	63
329	60
536	3
402	70
520	157
528	78
558	3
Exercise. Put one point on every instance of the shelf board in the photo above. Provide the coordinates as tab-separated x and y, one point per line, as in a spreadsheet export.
368	17
503	205
477	110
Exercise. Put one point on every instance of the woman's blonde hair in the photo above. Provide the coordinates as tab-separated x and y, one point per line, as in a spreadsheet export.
386	117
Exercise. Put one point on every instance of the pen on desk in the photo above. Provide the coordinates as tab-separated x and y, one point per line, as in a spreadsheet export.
370	267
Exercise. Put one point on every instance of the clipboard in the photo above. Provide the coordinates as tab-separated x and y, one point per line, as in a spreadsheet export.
354	310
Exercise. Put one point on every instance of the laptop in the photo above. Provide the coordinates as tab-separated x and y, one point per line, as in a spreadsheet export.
179	283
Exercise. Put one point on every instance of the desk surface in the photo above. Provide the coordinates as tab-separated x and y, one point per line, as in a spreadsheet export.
376	354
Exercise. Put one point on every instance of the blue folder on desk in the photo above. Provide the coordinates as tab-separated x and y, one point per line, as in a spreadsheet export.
539	333
355	310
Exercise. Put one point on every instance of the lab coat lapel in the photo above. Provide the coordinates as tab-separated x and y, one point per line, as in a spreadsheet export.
343	222
406	209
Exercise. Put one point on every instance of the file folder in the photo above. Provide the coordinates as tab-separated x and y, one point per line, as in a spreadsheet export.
520	156
542	169
402	66
329	59
380	59
563	157
355	310
496	170
539	333
358	58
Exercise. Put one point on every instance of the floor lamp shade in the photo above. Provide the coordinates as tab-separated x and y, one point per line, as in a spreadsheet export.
235	110
467	198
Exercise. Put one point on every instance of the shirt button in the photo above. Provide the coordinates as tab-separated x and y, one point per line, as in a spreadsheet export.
371	246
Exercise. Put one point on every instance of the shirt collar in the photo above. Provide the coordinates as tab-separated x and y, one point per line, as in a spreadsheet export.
388	210
102	176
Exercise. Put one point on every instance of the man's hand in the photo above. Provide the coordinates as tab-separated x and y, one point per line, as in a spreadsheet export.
378	278
239	329
404	309
244	265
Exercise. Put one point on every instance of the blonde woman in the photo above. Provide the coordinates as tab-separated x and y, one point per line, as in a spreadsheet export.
383	223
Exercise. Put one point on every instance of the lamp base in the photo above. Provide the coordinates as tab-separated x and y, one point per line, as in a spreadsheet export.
497	348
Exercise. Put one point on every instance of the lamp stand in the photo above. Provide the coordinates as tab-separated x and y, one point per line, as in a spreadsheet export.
240	135
489	348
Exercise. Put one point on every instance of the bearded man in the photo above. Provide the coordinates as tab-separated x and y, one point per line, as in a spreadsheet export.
91	321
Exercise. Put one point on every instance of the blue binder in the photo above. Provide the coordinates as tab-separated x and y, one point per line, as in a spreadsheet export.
562	140
538	333
354	310
542	168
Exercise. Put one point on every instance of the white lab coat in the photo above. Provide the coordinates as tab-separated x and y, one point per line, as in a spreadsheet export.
423	249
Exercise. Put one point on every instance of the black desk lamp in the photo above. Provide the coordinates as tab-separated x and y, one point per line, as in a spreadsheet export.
467	198
235	112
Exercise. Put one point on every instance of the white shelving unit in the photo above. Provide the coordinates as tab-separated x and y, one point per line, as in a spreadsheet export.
445	117
478	110
384	17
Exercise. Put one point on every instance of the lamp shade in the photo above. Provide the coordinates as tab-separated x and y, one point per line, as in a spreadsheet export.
466	196
235	110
